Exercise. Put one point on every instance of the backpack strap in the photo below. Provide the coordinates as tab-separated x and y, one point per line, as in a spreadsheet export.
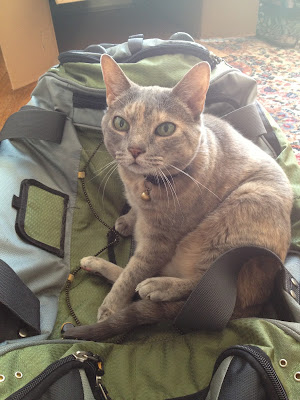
211	304
34	123
19	307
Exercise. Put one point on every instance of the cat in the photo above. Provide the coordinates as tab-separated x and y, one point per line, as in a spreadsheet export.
196	188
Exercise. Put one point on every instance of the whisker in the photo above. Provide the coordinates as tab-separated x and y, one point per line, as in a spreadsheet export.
109	174
157	177
171	188
172	185
101	170
162	178
195	181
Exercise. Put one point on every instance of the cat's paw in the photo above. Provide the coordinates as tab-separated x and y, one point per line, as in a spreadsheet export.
153	289
91	264
124	226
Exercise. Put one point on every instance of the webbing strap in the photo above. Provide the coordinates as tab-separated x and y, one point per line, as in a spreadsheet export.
247	120
34	123
19	306
135	43
211	304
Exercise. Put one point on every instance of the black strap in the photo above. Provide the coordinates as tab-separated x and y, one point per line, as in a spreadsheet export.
211	304
19	307
247	120
34	123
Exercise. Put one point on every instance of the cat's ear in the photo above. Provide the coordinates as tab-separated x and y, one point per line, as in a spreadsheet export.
114	78
193	87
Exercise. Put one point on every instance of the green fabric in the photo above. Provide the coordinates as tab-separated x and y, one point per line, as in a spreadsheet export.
164	71
44	214
161	365
89	235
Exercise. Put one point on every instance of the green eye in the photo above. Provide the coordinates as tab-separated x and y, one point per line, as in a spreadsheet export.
120	124
165	129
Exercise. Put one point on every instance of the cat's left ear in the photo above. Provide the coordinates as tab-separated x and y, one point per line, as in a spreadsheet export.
114	78
193	87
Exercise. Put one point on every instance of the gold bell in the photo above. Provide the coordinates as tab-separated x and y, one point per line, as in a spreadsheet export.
145	196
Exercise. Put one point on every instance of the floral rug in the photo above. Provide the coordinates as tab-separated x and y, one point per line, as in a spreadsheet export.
277	72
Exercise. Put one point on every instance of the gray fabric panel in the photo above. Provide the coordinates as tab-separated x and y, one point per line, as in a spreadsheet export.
217	380
56	166
87	392
290	328
55	93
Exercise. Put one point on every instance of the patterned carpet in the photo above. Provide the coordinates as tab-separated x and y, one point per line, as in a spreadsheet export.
277	72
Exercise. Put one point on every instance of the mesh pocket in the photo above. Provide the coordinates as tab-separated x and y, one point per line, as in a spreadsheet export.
41	216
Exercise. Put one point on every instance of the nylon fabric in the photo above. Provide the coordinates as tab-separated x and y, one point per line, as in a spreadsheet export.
88	234
42	272
242	381
148	365
217	380
67	387
87	393
166	71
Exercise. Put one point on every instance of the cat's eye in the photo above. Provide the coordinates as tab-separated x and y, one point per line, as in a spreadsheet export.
165	129
120	124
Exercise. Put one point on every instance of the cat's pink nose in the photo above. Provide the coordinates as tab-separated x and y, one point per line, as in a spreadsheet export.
135	151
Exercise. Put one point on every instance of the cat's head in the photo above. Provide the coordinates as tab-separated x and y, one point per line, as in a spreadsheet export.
153	129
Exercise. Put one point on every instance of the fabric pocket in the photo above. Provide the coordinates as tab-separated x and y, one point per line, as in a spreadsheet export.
41	216
75	377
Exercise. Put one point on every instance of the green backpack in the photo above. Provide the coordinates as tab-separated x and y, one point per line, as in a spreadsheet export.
59	202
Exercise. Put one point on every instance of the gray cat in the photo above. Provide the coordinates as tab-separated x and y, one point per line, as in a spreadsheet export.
196	188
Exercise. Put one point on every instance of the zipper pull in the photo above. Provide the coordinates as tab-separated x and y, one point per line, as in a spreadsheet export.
102	388
99	374
84	356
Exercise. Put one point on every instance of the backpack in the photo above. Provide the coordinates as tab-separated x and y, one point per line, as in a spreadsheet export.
59	202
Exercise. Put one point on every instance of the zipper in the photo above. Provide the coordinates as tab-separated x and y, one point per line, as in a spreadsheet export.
263	361
91	361
193	49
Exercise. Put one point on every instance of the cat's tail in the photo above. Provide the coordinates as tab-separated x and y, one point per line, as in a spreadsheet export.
141	312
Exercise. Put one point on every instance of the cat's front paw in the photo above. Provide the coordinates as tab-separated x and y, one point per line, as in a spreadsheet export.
153	289
124	226
91	264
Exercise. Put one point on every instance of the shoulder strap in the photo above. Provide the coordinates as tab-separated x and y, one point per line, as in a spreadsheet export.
34	123
19	307
211	304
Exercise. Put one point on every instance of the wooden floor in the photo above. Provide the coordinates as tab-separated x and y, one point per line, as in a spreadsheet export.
11	100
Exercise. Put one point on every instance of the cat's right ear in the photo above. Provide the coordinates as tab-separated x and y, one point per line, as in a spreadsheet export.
114	78
193	87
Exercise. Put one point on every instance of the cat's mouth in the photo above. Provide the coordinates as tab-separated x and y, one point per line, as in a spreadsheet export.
140	164
139	168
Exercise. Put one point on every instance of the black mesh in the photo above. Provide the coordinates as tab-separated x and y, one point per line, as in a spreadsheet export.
68	387
242	382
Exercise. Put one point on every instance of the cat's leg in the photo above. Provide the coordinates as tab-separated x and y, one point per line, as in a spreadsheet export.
165	288
138	313
144	264
101	267
125	224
